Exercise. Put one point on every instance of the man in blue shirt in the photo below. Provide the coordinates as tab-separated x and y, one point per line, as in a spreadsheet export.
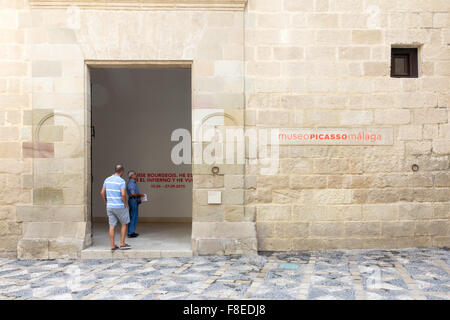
113	193
133	202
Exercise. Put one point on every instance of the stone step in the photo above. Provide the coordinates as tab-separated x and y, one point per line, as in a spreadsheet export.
90	253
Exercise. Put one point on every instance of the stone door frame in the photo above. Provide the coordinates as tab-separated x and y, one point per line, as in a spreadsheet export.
207	35
95	64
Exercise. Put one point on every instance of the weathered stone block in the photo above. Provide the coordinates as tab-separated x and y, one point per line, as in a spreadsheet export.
210	246
322	20
397	228
265	5
9	133
291	230
420	180
29	213
354	53
367	36
418	148
73	230
41	230
233	197
413	242
325	244
275	181
287	196
432	228
430	115
274	244
307	181
288	53
342	213
383	196
249	213
47	69
234	213
442	68
333	196
241	246
264	229
327	229
234	181
10	228
379	243
250	182
233	230
51	133
392	116
208	213
356	117
208	181
327	166
273	213
64	249
441	211
293	166
441	242
304	213
362	229
333	37
273	118
10	150
413	211
61	35
29	249
380	212
298	5
38	149
375	68
48	196
410	132
7	213
441	147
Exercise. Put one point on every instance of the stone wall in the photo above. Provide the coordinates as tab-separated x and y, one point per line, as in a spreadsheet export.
326	63
279	63
45	113
15	102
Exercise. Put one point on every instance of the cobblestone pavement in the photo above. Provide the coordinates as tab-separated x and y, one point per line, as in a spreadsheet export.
354	274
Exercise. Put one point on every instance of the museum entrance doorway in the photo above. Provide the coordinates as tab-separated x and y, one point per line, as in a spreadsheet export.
135	112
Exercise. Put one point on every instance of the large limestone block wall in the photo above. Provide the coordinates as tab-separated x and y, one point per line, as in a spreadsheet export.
45	114
279	63
326	63
15	102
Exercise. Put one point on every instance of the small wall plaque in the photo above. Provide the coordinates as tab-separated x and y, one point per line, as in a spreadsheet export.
214	197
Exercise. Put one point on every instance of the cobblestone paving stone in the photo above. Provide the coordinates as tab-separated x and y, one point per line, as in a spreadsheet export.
337	274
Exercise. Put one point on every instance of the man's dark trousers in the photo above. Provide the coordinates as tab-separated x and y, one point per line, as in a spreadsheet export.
133	204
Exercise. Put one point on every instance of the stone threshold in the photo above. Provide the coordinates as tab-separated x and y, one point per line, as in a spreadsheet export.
94	253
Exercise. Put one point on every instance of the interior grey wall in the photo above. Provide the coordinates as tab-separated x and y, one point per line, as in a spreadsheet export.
134	112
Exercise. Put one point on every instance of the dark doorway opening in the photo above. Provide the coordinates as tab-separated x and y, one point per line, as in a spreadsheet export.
134	112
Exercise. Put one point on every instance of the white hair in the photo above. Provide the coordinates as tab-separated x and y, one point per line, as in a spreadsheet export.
130	173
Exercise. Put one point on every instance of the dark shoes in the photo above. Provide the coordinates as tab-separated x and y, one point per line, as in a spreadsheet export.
133	235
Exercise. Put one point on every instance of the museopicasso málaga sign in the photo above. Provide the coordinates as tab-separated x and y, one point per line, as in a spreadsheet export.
336	136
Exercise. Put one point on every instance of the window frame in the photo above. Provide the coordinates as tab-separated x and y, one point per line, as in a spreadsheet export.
412	54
